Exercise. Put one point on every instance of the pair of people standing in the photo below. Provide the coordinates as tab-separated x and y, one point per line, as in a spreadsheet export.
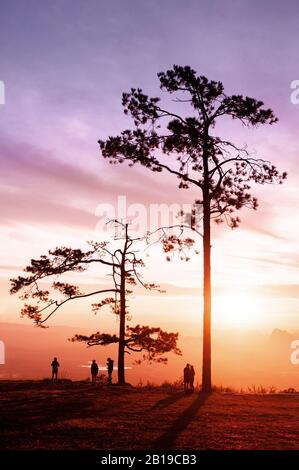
95	370
189	374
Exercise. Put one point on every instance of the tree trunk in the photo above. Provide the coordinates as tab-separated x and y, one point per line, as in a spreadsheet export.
122	321
122	313
206	356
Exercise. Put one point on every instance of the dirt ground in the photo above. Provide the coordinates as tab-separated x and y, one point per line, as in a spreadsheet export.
40	415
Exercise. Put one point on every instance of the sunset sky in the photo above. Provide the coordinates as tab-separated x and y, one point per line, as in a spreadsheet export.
65	65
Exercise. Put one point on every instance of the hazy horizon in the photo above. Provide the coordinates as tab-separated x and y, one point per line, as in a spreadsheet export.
241	359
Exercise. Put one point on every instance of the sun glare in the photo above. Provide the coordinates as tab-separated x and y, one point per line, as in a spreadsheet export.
237	310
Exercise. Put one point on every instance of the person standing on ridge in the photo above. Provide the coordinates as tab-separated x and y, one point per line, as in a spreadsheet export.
94	369
55	364
186	377
110	363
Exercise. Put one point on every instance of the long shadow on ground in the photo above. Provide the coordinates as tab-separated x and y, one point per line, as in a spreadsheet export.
168	400
167	440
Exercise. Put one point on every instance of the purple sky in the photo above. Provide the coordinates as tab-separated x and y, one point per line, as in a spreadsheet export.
65	65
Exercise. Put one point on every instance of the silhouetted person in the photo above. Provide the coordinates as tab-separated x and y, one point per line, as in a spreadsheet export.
192	374
94	369
55	364
187	377
110	363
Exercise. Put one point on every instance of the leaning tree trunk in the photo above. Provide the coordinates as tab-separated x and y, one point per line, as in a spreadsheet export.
206	356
